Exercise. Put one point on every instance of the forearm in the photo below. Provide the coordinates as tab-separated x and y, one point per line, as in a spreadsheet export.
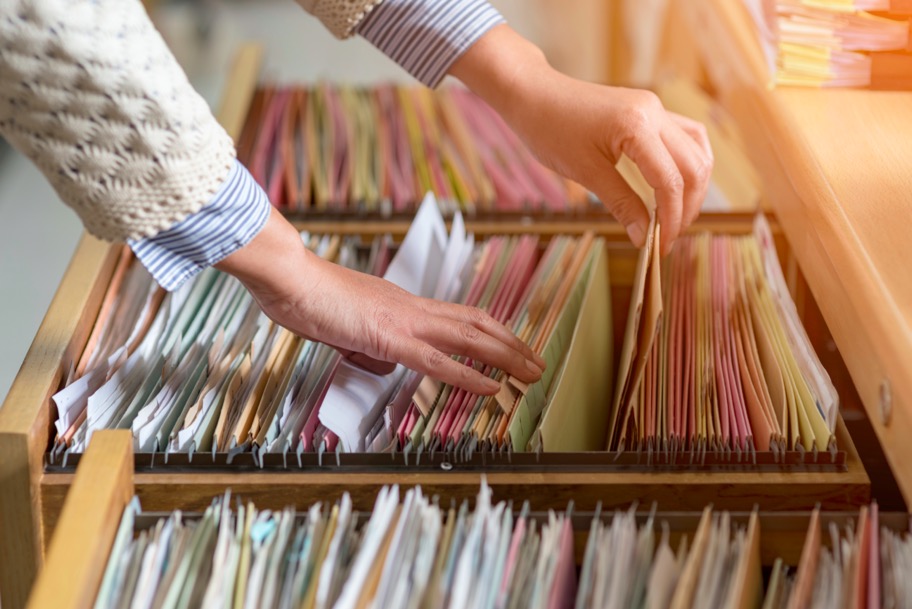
505	70
273	261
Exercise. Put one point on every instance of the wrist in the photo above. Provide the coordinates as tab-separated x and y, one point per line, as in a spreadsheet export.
272	263
503	68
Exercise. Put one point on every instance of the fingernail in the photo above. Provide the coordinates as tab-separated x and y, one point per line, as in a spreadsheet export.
491	385
540	361
533	368
637	234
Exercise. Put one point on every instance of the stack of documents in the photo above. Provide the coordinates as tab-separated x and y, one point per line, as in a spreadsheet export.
415	553
715	358
410	551
341	149
204	370
860	565
558	303
829	43
626	566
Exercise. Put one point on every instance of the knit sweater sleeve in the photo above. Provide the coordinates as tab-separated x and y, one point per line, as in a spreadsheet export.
90	92
340	17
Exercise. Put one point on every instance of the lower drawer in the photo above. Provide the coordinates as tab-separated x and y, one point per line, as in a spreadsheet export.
105	482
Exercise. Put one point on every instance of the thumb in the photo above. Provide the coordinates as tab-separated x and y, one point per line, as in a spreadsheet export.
623	203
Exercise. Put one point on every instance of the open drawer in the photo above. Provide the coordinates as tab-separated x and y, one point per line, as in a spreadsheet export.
91	529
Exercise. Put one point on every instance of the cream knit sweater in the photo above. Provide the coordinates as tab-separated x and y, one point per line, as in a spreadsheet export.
90	92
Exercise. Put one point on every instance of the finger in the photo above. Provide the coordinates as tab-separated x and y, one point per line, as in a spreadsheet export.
625	205
371	364
460	338
422	357
696	170
484	322
696	130
656	164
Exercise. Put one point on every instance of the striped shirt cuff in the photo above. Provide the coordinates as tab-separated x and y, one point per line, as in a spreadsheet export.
426	36
227	223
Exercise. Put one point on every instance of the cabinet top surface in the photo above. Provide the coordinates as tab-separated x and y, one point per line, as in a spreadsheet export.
862	142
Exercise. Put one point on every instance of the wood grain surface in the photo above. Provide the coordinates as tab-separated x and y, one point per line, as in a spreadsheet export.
79	551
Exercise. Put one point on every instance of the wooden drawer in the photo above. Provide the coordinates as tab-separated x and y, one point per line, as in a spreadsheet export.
105	482
33	495
585	478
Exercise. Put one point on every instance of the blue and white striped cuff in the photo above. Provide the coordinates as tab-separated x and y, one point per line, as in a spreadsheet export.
228	222
426	36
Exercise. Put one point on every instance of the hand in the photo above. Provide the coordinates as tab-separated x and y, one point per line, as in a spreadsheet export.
581	130
372	322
